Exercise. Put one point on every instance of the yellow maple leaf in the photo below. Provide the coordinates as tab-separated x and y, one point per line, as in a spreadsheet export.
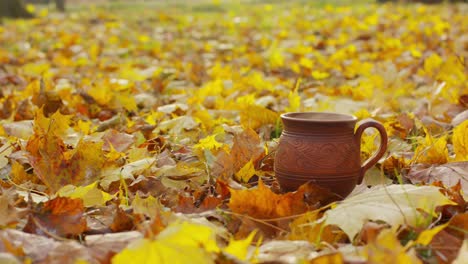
240	248
90	194
432	150
254	116
320	75
432	63
387	249
180	242
56	124
426	236
294	99
113	154
460	141
148	206
246	172
209	143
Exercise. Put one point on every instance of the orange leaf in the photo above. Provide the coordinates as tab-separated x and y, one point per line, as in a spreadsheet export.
61	216
262	203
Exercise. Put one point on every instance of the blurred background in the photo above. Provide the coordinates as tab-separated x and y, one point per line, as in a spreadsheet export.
25	8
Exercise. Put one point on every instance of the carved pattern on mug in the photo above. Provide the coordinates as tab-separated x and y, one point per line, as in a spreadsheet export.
306	155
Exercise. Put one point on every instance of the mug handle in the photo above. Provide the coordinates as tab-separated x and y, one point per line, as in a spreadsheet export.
382	148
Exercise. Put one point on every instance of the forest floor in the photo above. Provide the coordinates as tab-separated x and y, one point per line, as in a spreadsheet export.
147	133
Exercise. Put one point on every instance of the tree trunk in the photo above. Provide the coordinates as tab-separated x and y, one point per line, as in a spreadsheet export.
14	9
60	5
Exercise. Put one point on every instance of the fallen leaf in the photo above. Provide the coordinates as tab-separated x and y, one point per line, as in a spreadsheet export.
33	246
462	253
282	251
401	203
449	174
90	194
240	248
331	258
9	214
306	227
122	221
60	217
460	141
425	237
432	150
262	203
149	206
195	241
254	116
387	249
445	246
104	247
118	140
247	146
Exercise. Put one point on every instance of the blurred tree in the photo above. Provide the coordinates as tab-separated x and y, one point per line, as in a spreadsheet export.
422	1
60	5
13	8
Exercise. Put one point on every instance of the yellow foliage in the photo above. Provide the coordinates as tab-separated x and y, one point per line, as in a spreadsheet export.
246	172
240	248
294	99
426	236
209	143
57	123
149	206
388	250
460	141
432	63
90	194
255	116
432	150
320	75
180	242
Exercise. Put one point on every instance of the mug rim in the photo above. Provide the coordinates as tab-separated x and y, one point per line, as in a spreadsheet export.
338	117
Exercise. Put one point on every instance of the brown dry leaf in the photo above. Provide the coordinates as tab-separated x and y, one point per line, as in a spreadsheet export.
449	174
33	246
44	97
446	246
122	221
56	166
118	140
104	247
9	214
53	162
458	225
370	231
247	146
69	252
192	204
278	251
59	217
262	203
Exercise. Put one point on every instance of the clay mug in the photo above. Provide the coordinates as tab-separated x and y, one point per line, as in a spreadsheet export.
323	148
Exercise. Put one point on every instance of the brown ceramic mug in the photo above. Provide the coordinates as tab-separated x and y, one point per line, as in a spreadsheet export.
324	148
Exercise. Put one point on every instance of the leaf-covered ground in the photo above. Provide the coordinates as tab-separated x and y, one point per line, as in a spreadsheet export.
148	135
